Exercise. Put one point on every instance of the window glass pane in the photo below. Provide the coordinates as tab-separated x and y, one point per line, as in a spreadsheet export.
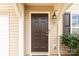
75	20
75	30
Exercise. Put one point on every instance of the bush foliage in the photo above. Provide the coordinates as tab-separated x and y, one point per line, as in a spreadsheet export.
71	41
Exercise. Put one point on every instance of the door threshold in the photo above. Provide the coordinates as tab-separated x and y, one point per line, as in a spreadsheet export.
39	53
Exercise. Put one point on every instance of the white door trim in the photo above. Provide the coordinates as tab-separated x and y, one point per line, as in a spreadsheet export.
39	12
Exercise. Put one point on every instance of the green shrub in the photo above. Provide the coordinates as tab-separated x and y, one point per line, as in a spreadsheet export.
72	42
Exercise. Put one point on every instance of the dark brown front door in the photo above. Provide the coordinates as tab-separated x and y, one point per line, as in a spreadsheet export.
39	32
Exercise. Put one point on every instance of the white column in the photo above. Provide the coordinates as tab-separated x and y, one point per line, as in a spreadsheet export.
21	37
59	33
21	30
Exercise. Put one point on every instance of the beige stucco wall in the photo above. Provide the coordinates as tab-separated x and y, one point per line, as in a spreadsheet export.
52	32
14	29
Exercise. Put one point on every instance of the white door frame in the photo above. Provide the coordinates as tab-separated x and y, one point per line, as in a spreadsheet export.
39	12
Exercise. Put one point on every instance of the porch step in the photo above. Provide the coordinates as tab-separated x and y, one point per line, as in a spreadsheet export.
39	53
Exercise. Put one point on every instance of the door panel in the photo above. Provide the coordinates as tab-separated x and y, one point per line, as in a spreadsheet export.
39	32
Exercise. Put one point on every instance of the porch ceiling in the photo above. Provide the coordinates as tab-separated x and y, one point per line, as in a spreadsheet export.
56	6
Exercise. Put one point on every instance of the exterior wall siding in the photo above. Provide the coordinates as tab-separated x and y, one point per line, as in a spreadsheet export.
13	29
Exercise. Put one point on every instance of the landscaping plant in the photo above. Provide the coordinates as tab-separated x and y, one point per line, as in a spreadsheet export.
72	42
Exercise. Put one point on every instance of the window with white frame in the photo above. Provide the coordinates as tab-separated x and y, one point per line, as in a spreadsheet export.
75	22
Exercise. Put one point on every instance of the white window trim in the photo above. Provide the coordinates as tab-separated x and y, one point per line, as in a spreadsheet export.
76	12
